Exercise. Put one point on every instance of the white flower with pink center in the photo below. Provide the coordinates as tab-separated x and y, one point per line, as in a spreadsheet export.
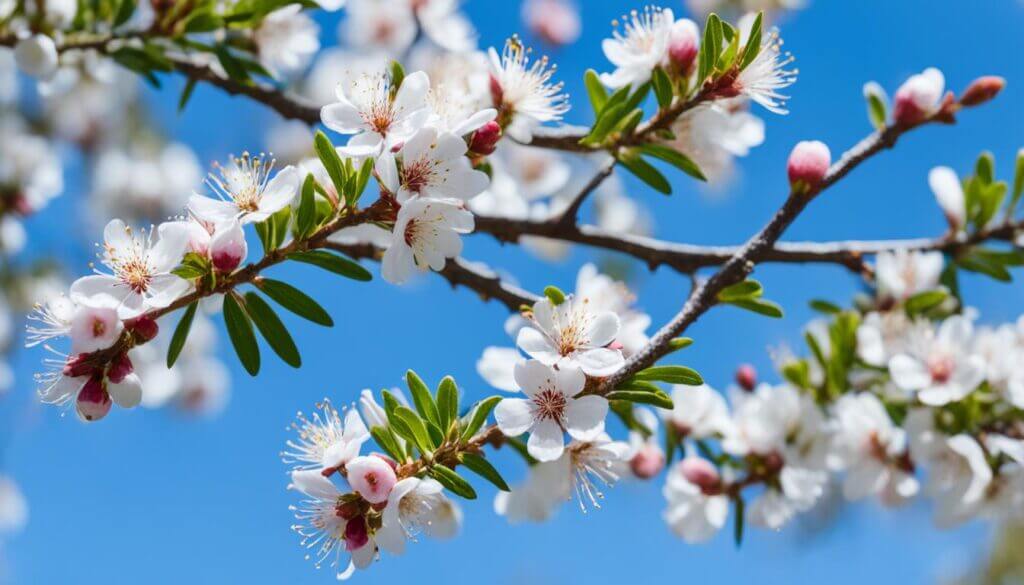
426	234
434	165
417	506
328	528
524	92
377	120
94	328
762	79
140	277
902	274
572	334
697	505
371	477
245	191
938	365
551	409
920	96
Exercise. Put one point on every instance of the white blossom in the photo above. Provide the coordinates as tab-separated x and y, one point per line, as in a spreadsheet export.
426	233
366	109
286	40
938	365
573	334
523	91
639	47
246	191
324	442
433	165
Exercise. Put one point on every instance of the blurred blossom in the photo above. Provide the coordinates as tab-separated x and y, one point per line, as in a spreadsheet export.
144	183
13	507
555	21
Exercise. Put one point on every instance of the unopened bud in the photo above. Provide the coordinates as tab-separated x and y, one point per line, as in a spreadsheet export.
808	163
228	247
683	44
746	377
93	402
371	477
982	90
77	366
120	367
486	138
348	510
701	473
144	328
647	462
919	97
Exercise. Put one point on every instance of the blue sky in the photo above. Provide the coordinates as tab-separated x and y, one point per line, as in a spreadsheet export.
151	497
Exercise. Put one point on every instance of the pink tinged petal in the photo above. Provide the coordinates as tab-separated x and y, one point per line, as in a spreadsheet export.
909	373
603	329
546	442
211	210
127	393
600	361
94	329
585	417
514	416
475	121
343	117
313	484
537	346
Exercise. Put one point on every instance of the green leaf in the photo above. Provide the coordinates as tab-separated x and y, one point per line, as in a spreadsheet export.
186	94
760	306
982	264
232	66
335	263
417	430
595	91
272	329
619	97
1018	181
447	403
362	180
825	307
484	469
659	398
674	158
742	290
421	397
306	214
638	96
386	440
923	302
671	374
555	295
478	416
985	167
662	87
181	334
610	116
679	343
753	46
646	173
397	75
332	162
188	271
124	12
295	301
241	334
453	482
877	111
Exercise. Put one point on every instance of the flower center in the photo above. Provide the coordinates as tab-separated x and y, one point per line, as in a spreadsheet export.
135	273
941	368
418	175
549	404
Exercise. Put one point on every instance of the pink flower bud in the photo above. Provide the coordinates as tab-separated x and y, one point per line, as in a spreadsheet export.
144	328
485	140
372	478
93	402
982	90
356	536
746	377
77	366
683	44
120	367
701	473
648	461
808	163
228	247
919	97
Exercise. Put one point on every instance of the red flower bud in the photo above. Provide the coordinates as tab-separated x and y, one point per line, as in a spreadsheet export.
486	138
144	328
808	163
701	473
746	377
355	534
648	462
982	90
120	367
93	402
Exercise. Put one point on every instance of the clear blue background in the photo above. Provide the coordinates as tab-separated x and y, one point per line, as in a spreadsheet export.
152	497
